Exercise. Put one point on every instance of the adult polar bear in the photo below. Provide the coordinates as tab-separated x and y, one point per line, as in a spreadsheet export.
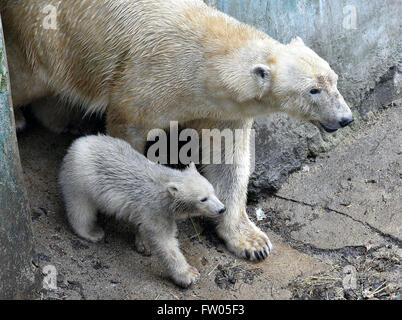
148	62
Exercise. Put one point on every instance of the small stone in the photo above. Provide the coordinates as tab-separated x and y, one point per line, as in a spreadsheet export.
204	261
260	214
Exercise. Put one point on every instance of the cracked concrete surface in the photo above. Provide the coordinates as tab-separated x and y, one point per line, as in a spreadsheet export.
342	210
355	192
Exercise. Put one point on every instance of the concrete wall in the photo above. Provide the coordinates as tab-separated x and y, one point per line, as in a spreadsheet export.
17	272
361	39
360	55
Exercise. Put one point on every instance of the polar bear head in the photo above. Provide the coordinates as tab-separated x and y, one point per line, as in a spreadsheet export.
297	81
265	76
193	195
306	87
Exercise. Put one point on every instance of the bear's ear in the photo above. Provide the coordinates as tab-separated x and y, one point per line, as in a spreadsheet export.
297	40
262	75
172	189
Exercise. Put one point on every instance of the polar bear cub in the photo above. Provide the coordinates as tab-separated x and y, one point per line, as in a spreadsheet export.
107	174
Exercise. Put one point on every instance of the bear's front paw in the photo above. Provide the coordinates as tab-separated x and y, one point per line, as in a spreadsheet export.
186	278
247	241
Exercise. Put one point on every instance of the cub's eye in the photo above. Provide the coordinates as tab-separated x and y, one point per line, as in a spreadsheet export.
204	199
315	91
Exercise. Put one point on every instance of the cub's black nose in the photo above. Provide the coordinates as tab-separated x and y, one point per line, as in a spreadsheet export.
222	211
346	121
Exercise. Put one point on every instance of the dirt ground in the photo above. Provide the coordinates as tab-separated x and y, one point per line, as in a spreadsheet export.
336	227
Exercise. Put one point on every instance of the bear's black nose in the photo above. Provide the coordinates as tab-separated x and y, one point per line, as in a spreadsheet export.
346	121
222	211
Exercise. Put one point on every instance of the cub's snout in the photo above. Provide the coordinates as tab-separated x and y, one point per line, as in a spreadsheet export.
219	212
212	207
346	121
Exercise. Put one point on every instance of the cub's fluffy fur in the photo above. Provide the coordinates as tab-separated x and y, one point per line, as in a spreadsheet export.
107	174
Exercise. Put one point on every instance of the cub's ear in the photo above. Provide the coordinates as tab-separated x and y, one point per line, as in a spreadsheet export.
262	75
172	189
297	40
192	166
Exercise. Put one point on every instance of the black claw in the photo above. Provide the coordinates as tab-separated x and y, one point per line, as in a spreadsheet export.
247	254
263	254
266	252
257	255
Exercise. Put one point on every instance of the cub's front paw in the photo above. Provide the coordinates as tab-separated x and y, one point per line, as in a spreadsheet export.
186	278
247	241
142	246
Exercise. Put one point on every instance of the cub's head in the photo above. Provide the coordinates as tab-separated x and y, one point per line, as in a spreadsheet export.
194	194
295	80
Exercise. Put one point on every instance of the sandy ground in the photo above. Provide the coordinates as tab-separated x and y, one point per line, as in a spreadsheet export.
336	227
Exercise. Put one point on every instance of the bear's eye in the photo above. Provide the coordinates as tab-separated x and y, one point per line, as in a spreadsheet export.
315	91
204	199
260	73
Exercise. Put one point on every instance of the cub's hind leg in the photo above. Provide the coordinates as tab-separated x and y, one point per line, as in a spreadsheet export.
82	214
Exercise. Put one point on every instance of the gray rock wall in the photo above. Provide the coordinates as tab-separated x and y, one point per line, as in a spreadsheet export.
362	40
